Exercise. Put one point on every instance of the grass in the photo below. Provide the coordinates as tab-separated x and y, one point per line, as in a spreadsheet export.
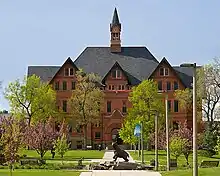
202	172
148	155
71	155
39	172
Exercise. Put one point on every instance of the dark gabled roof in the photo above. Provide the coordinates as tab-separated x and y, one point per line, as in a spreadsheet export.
115	19
185	74
44	72
138	62
184	78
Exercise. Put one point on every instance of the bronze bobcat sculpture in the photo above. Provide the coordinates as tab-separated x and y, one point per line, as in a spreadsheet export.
119	153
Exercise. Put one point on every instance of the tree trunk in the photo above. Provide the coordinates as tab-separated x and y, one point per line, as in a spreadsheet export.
85	137
41	155
10	170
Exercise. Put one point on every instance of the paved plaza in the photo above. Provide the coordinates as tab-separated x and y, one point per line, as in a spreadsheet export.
108	156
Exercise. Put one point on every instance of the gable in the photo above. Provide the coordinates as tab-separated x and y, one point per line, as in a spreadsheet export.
68	69
116	73
164	71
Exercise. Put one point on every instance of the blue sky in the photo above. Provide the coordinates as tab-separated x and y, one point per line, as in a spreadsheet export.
46	32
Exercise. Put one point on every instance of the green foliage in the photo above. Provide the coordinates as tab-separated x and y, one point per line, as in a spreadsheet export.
146	103
177	146
210	141
217	147
87	100
31	98
61	146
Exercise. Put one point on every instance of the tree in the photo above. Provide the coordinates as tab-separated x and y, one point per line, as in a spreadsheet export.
31	98
217	147
208	91
86	101
61	145
145	103
186	134
210	141
177	146
12	135
41	137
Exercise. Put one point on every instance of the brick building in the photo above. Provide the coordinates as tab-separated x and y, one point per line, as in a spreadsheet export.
120	69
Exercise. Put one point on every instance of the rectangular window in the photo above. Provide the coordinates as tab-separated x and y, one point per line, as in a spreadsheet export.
109	106
176	106
161	72
64	85
166	71
79	129
57	85
124	108
66	72
122	87
73	85
175	85
71	71
113	87
97	135
116	73
159	85
64	106
119	87
168	85
169	105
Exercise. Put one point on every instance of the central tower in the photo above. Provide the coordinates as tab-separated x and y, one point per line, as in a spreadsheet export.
115	29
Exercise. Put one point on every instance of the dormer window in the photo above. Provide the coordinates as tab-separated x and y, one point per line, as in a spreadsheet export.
68	72
164	71
116	74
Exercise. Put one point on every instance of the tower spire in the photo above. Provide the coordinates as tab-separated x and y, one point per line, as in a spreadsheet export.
115	19
115	29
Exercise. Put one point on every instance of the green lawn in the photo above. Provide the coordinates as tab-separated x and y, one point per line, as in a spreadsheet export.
202	172
71	155
148	155
39	173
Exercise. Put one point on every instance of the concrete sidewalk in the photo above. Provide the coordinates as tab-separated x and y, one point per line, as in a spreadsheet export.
120	173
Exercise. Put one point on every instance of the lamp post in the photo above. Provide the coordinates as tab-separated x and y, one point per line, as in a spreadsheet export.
195	157
167	133
156	141
167	130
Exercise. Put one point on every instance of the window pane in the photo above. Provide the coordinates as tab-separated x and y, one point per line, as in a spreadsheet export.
57	85
159	85
109	106
118	73
161	72
73	85
124	108
109	87
119	87
64	106
114	73
113	87
169	105
71	71
166	71
66	71
122	87
168	86
64	85
176	106
176	86
97	135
